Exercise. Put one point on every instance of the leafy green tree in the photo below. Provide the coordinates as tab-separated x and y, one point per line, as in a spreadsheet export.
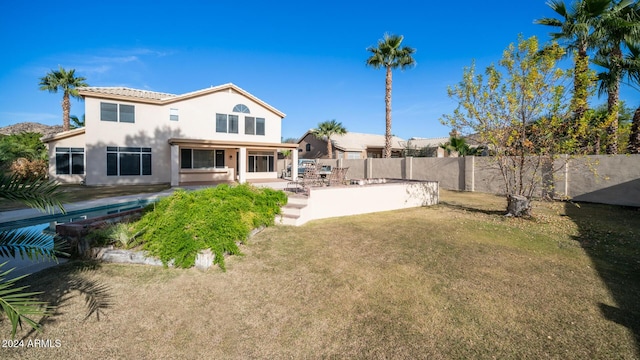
518	110
20	306
24	145
576	30
327	129
389	55
68	83
633	63
598	125
617	27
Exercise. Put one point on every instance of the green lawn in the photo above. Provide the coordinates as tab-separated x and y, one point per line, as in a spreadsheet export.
457	280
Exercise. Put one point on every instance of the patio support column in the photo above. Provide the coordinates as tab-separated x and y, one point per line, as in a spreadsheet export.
294	164
242	164
175	165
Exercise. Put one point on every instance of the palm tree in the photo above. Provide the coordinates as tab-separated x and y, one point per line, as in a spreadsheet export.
617	27
15	303
77	123
326	130
576	29
459	145
66	81
389	55
633	73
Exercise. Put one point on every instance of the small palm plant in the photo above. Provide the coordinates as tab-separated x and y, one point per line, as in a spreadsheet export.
327	129
19	306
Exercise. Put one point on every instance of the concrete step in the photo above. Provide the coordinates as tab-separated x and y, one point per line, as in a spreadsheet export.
292	212
287	219
293	209
297	199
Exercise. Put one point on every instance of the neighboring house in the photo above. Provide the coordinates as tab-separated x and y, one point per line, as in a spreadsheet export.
427	147
348	146
131	136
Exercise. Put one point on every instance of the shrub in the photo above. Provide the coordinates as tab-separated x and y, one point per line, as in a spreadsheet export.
121	235
29	169
183	224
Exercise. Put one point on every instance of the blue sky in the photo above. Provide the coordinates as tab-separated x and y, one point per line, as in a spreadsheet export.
306	58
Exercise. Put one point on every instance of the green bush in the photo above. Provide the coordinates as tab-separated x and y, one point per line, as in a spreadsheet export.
183	224
121	235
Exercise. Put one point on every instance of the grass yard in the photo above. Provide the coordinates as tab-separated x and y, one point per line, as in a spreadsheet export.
457	280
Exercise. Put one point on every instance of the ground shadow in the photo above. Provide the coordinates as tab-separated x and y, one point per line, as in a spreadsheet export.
471	209
610	235
61	283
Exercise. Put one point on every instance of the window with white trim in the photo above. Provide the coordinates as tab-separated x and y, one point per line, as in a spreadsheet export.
260	161
241	108
173	114
221	123
117	112
69	161
254	126
201	158
126	161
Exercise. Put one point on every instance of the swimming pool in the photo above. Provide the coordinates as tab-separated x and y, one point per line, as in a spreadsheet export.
46	225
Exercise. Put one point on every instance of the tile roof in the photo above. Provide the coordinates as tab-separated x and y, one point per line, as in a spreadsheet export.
358	141
128	92
419	143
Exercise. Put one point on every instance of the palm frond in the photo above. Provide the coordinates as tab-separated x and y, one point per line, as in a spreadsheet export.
30	245
39	193
19	305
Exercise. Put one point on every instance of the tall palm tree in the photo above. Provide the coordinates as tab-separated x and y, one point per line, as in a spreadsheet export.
326	130
617	27
15	303
389	55
68	83
575	28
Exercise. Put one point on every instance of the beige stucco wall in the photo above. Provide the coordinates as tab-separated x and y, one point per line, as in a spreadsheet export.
447	171
357	168
607	179
152	128
387	168
73	141
368	199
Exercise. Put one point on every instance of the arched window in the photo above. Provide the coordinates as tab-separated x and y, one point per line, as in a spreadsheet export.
241	108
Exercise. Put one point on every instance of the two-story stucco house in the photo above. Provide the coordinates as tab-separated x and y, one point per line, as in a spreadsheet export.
132	136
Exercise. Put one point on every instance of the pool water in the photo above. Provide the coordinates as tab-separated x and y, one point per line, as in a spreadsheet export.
46	225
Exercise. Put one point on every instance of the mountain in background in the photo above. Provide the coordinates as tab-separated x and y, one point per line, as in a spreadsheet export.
45	130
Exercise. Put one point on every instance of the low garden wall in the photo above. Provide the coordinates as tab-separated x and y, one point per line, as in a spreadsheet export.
334	201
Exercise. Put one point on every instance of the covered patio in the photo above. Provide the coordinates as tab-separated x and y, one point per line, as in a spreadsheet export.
200	162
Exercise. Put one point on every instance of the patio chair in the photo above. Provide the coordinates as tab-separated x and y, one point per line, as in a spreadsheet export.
311	177
338	176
